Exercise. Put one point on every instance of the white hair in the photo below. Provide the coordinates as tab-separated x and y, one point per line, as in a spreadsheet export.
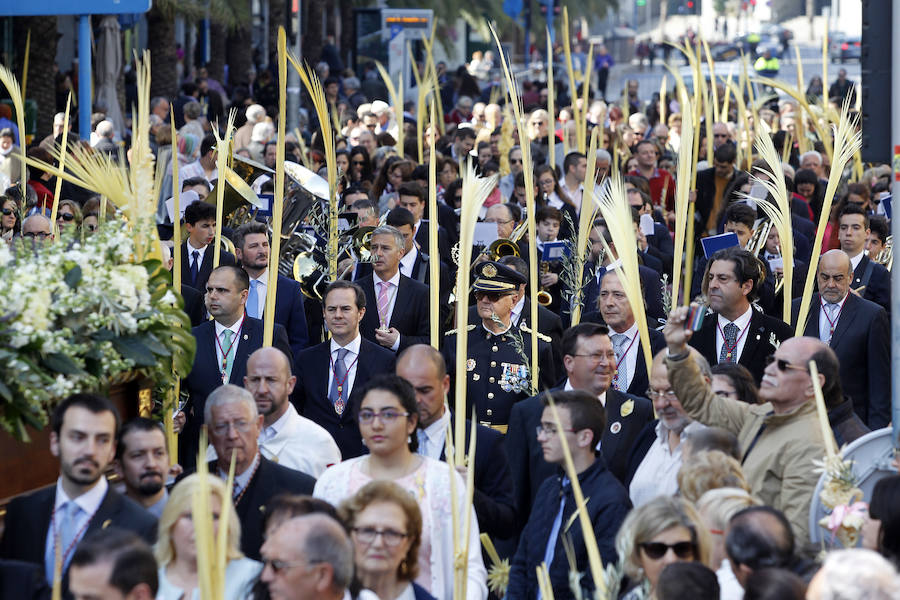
228	394
856	574
106	128
255	113
811	154
262	132
603	155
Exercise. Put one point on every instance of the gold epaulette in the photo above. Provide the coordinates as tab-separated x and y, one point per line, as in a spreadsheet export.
453	331
524	327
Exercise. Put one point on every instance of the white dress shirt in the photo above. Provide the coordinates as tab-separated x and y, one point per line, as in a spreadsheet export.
392	300
742	322
574	195
657	475
631	351
568	388
89	502
517	311
433	438
349	360
855	260
190	257
407	262
824	323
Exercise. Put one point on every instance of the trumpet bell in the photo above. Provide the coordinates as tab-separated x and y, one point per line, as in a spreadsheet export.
308	180
502	247
362	244
307	271
544	298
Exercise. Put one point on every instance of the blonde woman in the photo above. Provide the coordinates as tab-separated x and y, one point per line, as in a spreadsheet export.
176	549
658	533
709	470
716	507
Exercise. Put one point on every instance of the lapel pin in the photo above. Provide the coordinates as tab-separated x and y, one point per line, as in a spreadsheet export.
106	523
626	409
615	427
246	337
757	338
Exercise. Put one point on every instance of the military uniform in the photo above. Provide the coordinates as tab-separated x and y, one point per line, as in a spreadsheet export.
497	372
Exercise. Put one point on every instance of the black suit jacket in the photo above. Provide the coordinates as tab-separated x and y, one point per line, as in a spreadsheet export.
526	459
22	580
205	376
313	365
757	341
443	241
640	382
193	304
662	242
652	288
290	313
269	480
410	315
862	343
28	520
446	278
206	266
494	502
706	196
878	288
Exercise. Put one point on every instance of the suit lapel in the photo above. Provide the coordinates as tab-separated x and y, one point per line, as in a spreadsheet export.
103	518
248	334
206	348
753	338
706	340
206	266
401	301
323	358
812	317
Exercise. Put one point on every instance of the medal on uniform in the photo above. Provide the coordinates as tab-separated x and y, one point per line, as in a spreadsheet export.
627	408
470	364
339	404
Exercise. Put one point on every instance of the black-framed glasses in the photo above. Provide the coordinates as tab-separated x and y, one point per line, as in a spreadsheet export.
36	234
668	394
598	356
66	216
390	537
8	211
550	430
656	550
784	365
388	415
492	296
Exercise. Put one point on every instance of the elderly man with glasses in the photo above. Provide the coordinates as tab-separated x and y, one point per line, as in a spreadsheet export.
780	438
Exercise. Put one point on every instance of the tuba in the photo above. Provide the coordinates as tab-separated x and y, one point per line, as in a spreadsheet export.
758	238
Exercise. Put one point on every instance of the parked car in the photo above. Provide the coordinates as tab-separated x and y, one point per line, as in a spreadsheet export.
844	48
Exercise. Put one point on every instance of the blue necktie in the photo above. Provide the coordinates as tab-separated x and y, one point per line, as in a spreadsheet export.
339	380
253	300
66	523
195	267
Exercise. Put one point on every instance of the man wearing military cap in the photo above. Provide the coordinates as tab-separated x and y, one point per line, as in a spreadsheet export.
498	357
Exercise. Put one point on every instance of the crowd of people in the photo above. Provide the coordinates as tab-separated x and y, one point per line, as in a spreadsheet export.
696	464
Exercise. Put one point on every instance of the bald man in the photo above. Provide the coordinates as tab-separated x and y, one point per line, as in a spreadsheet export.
858	331
779	438
286	437
315	558
424	368
37	228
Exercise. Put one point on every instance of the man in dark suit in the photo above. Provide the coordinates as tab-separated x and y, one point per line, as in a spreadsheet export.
197	252
113	563
589	360
711	186
193	299
83	438
22	580
411	196
399	313
870	278
234	425
330	373
859	333
223	346
424	368
734	331
416	263
251	247
631	367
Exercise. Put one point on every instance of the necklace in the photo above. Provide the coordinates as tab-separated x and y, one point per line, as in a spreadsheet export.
730	348
832	323
249	481
340	404
625	354
57	536
224	368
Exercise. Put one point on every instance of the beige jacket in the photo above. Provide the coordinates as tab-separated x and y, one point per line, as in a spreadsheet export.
779	465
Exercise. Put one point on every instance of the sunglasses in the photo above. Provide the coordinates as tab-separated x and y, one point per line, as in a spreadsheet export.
66	216
515	161
358	162
656	550
8	211
784	365
492	296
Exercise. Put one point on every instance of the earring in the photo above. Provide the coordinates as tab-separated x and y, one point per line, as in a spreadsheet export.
409	439
363	440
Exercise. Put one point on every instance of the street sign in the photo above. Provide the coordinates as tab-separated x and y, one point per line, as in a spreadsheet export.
67	7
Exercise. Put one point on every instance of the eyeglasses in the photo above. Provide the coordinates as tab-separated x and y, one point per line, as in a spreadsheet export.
358	162
668	394
656	550
515	161
598	356
784	365
388	415
550	429
8	211
391	538
278	566
66	216
498	221
92	227
492	296
241	426
36	234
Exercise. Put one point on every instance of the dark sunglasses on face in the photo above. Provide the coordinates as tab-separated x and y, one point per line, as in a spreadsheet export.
491	296
66	216
783	365
656	550
8	211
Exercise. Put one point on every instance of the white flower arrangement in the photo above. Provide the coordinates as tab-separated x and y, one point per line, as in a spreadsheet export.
74	314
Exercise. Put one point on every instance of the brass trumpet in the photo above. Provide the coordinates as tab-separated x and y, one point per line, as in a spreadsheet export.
544	298
758	238
886	256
